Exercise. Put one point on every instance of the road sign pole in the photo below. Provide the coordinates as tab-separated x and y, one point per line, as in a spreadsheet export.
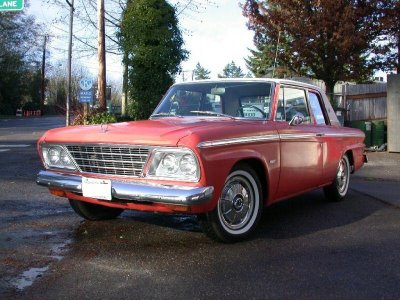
85	112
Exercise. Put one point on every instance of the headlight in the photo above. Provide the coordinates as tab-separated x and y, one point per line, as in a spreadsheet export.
174	164
56	156
188	164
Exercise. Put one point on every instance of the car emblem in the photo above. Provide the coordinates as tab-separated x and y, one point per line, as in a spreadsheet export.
104	128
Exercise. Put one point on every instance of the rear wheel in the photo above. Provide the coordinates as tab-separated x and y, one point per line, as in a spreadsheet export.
338	189
94	212
238	209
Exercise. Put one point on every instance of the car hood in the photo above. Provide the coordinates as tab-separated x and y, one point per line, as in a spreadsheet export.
160	132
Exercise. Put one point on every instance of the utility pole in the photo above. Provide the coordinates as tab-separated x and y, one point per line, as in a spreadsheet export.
124	103
101	56
69	89
43	84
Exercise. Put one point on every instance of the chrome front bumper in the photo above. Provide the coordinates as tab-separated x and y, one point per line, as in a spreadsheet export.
131	191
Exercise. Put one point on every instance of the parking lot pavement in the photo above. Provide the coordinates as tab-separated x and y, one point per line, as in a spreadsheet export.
305	247
380	177
381	166
386	191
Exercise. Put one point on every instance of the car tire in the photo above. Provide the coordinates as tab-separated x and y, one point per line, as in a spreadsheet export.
94	212
337	191
239	207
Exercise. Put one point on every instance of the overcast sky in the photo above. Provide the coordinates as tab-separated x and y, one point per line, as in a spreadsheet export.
219	35
214	37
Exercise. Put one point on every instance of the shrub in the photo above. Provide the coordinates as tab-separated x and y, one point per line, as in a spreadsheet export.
94	118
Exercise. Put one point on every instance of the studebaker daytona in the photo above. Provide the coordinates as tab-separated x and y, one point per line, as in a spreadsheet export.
221	149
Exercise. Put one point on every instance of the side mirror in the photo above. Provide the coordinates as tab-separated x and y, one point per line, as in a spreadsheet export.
296	120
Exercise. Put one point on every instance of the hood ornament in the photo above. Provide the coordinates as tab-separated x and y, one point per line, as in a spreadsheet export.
104	128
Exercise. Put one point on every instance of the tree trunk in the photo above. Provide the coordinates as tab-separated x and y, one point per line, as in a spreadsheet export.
398	53
43	83
69	65
101	56
124	103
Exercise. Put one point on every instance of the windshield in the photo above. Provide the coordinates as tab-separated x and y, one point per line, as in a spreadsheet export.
222	99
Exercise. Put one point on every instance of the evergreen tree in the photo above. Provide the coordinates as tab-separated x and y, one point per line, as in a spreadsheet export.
151	38
18	69
201	73
263	62
231	71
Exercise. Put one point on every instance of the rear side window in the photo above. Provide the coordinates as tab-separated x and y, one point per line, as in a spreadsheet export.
315	103
292	102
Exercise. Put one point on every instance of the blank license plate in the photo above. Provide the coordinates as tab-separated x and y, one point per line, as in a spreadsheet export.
96	188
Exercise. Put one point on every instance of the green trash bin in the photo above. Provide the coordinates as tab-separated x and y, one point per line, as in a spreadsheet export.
378	133
366	128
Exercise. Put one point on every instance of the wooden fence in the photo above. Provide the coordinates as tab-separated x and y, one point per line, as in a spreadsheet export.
361	101
365	101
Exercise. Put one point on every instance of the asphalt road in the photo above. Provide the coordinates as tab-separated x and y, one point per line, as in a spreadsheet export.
305	247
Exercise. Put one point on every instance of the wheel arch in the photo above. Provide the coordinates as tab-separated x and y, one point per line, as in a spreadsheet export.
260	169
350	156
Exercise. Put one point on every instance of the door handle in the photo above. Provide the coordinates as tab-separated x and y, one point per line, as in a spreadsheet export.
320	134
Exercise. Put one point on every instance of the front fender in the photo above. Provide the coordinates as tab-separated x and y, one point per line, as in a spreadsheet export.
218	163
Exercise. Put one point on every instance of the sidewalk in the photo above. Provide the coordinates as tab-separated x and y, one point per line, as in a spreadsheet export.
379	178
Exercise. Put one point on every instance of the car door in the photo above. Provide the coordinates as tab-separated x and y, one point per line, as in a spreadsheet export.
327	135
301	150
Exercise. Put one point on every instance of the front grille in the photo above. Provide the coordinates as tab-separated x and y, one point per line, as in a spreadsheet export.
109	160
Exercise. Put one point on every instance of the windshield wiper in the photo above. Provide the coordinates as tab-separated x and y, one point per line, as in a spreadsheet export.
164	114
210	113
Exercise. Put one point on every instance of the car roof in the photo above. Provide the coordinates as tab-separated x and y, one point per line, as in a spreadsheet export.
273	80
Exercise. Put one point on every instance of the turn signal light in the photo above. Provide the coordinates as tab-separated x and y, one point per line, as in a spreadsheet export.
179	208
57	193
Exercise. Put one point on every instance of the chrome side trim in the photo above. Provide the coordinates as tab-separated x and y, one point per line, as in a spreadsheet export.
345	135
272	137
313	135
286	136
132	191
241	140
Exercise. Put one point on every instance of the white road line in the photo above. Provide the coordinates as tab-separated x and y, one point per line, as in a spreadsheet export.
14	146
4	150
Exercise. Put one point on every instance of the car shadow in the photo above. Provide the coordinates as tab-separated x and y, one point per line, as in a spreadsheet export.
291	218
175	221
312	212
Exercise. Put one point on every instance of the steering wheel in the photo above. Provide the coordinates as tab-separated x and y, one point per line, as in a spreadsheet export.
239	111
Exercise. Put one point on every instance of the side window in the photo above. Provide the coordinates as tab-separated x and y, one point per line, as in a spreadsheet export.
255	106
292	102
315	103
212	103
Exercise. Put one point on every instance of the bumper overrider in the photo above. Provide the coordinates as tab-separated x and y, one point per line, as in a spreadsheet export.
131	191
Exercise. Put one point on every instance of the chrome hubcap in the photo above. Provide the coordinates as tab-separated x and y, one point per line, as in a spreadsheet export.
342	176
237	203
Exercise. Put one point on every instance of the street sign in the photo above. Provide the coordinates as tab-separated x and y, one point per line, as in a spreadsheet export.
7	5
86	84
85	96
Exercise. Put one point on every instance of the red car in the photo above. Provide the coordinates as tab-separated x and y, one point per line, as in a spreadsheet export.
221	149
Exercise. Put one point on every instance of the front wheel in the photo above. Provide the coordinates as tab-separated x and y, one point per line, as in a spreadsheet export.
338	189
239	207
94	212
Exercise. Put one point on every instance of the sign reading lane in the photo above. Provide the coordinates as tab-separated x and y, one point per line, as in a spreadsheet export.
10	5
